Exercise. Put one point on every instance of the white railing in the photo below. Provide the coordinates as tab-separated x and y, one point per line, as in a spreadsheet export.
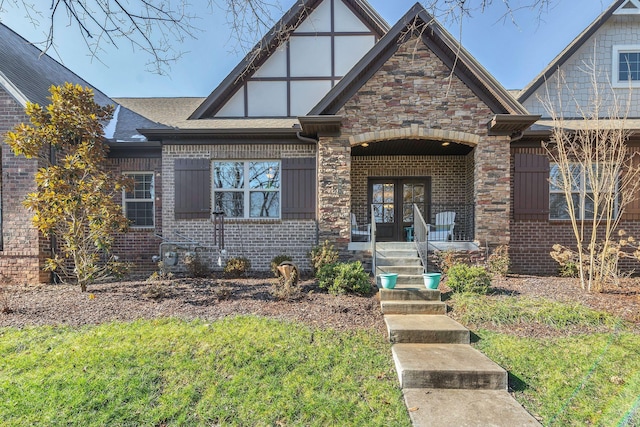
373	243
420	236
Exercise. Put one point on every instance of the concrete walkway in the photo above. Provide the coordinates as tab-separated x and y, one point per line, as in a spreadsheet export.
445	381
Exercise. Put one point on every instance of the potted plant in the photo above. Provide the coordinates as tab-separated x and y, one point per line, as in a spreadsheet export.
388	280
431	280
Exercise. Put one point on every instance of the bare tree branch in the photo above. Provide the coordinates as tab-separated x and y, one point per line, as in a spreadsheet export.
159	27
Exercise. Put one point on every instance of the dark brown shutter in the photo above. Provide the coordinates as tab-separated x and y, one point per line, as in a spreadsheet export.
299	188
192	188
531	187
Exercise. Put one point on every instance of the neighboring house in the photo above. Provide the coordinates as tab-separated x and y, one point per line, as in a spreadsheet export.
610	46
336	114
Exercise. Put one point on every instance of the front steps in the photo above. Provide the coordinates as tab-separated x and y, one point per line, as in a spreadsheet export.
445	381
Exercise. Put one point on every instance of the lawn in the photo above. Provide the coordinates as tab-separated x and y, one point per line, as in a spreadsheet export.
245	370
568	364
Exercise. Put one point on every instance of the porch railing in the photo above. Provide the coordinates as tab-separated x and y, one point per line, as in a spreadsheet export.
373	242
464	229
420	233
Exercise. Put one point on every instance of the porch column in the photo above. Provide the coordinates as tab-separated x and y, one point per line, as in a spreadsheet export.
492	190
334	190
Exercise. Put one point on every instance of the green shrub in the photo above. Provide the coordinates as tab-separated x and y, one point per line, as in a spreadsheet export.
237	267
568	269
499	261
322	255
275	262
463	278
342	278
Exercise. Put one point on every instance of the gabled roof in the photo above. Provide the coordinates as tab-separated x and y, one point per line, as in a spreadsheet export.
465	67
568	52
269	43
27	75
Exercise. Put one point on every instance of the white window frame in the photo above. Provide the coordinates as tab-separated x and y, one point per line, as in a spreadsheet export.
581	192
246	190
126	200
617	50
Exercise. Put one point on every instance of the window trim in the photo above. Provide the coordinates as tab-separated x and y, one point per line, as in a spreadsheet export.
581	192
246	190
615	80
125	199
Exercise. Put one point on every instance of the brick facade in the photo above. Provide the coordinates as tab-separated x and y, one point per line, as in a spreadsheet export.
258	240
23	250
139	245
412	96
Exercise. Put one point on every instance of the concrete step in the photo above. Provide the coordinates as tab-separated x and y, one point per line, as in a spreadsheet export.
446	366
425	329
384	261
405	270
406	281
465	408
412	294
413	307
409	253
390	246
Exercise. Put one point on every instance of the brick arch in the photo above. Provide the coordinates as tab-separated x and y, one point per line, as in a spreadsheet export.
416	132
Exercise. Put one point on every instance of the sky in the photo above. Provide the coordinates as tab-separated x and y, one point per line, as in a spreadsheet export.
514	53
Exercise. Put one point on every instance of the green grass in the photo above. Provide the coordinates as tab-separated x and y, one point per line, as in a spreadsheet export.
237	371
573	381
507	310
591	378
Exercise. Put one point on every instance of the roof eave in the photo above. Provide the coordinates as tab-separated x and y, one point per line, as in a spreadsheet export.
509	124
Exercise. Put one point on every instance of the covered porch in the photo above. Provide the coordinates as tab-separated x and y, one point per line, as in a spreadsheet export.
390	177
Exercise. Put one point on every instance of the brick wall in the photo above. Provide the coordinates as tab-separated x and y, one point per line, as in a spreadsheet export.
413	95
23	251
258	240
449	177
139	245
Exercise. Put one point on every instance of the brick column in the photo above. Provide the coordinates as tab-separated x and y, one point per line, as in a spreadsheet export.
492	190
334	190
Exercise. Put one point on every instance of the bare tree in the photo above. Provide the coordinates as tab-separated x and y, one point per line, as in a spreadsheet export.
159	27
593	175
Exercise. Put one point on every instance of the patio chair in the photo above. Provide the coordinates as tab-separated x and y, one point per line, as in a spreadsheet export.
442	230
359	233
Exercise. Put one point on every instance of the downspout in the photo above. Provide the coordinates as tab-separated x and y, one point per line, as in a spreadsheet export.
306	139
312	141
518	136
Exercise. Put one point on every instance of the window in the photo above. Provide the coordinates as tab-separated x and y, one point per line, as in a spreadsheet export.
138	203
247	189
581	194
626	66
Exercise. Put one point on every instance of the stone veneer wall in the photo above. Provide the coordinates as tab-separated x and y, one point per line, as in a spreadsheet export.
24	250
412	90
258	240
139	245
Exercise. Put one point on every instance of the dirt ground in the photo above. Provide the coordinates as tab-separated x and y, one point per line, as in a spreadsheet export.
214	298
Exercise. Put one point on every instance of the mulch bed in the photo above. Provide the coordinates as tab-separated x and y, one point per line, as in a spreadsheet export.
214	298
184	298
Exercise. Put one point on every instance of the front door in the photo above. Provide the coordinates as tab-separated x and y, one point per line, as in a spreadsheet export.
392	201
